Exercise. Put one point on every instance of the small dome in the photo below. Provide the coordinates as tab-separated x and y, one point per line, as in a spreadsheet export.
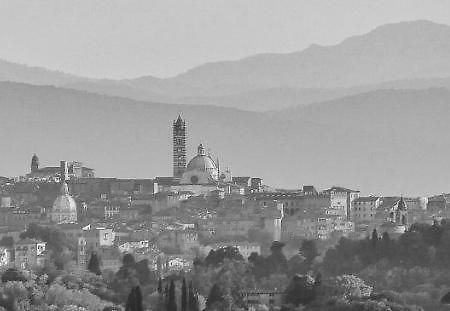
64	202
201	162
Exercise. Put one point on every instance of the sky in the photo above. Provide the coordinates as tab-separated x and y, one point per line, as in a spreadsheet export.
130	38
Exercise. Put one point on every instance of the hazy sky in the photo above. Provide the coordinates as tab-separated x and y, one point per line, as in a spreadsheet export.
127	38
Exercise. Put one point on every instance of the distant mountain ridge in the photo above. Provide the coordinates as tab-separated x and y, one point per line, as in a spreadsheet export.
384	141
403	55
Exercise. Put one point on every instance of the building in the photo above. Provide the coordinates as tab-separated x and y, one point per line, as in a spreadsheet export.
393	219
96	238
179	147
75	170
29	254
256	297
64	208
21	217
167	200
180	241
82	258
365	209
5	256
131	245
294	228
341	200
201	169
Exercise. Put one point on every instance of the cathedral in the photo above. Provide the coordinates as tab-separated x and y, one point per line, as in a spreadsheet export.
64	209
202	174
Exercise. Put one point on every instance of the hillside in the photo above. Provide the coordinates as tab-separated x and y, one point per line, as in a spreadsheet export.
387	142
406	50
404	55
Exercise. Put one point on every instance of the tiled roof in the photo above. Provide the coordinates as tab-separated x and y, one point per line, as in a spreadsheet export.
28	241
340	189
367	199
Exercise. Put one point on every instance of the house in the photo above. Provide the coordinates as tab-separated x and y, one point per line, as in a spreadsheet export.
341	200
365	208
98	237
131	245
178	240
5	256
255	297
29	254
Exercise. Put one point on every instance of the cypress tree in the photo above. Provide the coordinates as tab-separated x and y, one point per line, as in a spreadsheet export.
184	298
171	302
215	295
131	301
94	264
134	301
166	291
374	238
160	289
193	303
138	296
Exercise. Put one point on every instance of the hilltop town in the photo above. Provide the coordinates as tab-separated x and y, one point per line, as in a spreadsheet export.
66	218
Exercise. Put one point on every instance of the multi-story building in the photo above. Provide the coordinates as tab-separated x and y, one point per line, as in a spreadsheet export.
5	256
341	200
231	226
97	238
365	209
131	245
29	254
181	241
258	297
294	227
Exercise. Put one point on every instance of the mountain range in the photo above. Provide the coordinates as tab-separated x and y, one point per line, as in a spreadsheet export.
369	113
400	56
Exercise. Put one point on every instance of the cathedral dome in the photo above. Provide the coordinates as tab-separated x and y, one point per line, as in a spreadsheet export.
201	162
64	203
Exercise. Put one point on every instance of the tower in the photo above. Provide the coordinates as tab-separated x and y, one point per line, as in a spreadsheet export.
34	163
179	147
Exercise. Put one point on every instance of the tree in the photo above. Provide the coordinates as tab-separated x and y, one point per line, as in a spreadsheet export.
309	250
94	264
216	258
193	300
134	301
184	298
128	260
276	261
215	296
12	275
171	302
160	289
374	239
301	290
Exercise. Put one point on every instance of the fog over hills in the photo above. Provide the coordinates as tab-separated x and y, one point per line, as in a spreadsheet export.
401	56
406	50
388	142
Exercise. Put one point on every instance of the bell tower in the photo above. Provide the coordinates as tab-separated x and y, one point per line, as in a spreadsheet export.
34	163
179	147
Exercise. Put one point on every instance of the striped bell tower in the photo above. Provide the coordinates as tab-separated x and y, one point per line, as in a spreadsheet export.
179	147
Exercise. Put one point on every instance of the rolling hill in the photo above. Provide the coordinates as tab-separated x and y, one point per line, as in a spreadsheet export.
390	142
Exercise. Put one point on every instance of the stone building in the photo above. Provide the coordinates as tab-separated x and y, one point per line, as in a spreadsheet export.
29	254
